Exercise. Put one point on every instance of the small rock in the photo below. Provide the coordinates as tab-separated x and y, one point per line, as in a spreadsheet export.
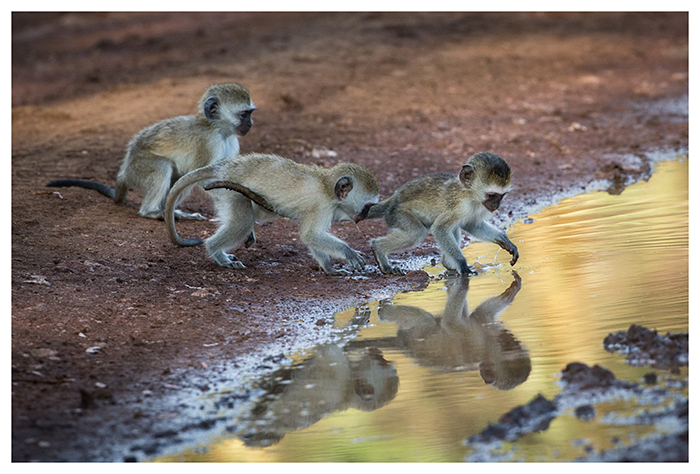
649	378
585	412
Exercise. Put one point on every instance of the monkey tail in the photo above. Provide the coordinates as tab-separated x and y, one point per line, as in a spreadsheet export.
189	179
99	187
378	210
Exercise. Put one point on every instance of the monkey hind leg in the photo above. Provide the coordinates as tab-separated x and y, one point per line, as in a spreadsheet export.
409	234
120	191
155	181
237	227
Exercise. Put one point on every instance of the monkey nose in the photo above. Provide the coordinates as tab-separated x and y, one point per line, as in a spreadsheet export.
493	202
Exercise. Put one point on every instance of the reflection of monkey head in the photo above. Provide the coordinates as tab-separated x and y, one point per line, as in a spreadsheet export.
376	382
506	364
328	381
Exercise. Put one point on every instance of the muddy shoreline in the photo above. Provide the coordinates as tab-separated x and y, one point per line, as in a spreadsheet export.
110	321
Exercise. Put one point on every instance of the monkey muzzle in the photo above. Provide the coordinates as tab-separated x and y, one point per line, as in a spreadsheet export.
244	127
493	201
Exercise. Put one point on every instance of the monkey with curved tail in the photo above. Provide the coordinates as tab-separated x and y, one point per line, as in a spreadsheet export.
260	187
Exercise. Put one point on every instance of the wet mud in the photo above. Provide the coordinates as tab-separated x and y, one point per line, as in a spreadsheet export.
644	347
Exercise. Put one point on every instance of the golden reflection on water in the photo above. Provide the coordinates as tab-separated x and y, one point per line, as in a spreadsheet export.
591	265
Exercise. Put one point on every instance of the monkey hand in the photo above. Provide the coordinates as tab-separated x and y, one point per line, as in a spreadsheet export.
355	260
510	247
513	250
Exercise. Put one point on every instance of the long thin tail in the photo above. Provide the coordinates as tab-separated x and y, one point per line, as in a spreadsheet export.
253	196
186	181
378	210
99	187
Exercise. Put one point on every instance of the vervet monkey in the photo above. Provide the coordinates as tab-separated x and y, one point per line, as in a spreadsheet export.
314	196
445	204
160	154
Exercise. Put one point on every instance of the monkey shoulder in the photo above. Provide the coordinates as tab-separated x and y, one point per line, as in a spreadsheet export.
165	133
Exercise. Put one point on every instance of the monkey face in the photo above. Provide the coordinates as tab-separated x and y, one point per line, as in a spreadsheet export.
245	122
492	201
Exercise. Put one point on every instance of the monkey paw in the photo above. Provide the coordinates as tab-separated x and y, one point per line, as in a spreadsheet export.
228	261
356	261
515	254
195	216
341	272
396	271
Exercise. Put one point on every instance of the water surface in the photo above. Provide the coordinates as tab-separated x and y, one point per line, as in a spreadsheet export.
431	368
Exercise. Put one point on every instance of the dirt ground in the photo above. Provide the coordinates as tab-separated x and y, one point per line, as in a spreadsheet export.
104	306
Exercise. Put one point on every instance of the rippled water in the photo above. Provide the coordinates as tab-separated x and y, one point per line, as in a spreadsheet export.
429	369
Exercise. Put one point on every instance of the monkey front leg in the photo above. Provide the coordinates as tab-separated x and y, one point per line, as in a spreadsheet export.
488	233
446	260
324	245
451	252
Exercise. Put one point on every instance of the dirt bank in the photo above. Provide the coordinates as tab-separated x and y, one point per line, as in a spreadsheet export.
104	307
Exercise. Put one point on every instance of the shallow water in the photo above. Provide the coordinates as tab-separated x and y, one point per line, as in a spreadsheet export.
412	386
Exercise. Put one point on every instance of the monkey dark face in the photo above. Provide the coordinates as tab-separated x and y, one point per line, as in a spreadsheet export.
246	122
492	201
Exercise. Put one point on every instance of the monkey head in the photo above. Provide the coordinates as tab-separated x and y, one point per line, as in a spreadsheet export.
488	176
230	105
356	190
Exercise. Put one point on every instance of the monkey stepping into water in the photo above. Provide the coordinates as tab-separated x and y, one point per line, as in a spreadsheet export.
444	204
160	154
259	188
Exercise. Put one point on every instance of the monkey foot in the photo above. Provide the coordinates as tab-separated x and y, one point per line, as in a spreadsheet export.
195	216
394	271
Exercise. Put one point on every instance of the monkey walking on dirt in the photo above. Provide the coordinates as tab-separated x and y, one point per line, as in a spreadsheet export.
160	154
444	204
268	186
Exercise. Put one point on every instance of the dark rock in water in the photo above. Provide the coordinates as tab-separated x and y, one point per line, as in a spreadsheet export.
585	413
646	347
650	378
530	418
585	377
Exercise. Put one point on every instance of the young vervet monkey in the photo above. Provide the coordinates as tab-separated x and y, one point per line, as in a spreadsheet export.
314	196
160	154
445	204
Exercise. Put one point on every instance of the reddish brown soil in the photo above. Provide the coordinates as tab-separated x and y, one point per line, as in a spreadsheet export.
403	94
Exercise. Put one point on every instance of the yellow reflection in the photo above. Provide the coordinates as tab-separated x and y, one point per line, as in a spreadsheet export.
592	265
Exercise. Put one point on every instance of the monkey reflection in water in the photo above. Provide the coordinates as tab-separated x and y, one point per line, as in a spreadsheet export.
459	340
333	379
357	375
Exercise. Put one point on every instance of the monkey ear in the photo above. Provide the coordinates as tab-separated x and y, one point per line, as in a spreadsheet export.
211	108
467	175
343	187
